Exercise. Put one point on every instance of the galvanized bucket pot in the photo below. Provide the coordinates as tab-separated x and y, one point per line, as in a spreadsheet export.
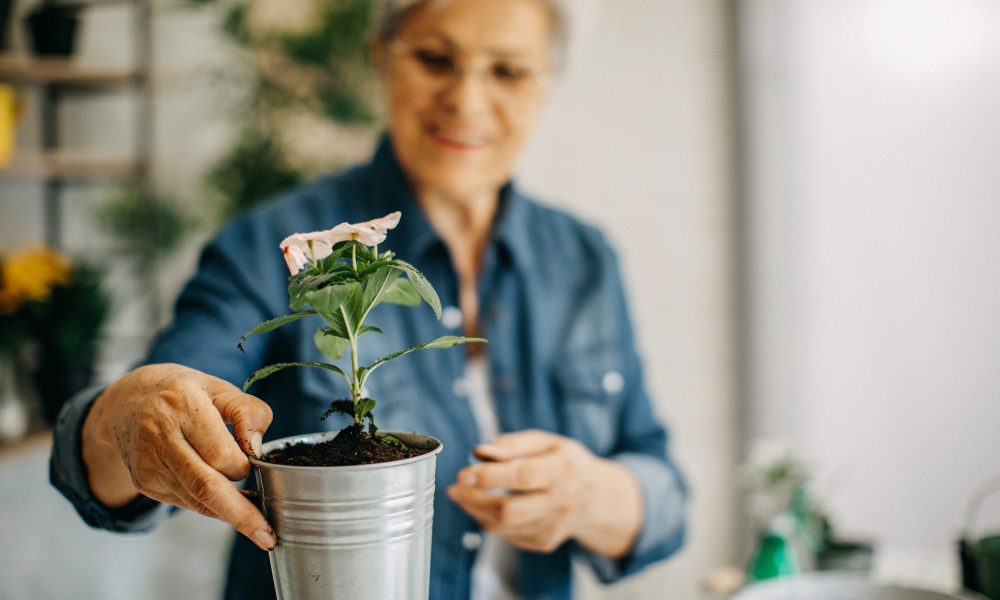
351	532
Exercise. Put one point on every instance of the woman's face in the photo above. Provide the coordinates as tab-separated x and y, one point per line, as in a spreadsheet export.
465	82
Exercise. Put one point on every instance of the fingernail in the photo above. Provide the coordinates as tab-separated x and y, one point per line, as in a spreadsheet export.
467	478
256	438
264	539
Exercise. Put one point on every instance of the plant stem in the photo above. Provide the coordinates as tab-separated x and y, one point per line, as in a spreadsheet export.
355	384
354	259
356	388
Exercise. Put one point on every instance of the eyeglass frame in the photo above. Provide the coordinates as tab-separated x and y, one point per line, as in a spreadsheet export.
542	78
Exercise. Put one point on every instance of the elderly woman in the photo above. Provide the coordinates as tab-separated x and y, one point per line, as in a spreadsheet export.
556	400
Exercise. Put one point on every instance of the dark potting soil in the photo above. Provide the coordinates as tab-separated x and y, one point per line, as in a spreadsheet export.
352	446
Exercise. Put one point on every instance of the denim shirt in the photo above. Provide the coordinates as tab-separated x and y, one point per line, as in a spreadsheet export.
561	354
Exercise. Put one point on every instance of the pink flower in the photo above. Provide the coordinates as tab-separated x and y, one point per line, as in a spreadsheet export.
300	248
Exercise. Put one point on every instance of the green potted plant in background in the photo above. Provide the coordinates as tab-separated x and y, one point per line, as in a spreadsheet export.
308	104
150	227
345	504
68	331
52	312
794	532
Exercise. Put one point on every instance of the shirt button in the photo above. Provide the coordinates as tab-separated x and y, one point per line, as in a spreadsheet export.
472	540
451	317
613	382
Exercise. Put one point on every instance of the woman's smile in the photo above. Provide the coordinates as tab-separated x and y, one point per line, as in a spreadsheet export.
457	139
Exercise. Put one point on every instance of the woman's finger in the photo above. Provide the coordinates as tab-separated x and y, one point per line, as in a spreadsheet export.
517	444
504	510
532	473
213	493
250	416
482	505
542	535
206	432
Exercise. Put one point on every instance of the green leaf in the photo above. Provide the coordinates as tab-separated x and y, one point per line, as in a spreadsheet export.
327	301
312	279
337	252
275	323
445	341
421	285
366	268
401	291
332	346
272	369
336	326
390	440
368	329
363	407
377	284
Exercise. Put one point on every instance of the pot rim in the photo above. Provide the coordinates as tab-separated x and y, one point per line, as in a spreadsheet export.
323	436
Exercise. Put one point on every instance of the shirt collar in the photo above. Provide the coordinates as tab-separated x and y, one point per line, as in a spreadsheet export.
414	236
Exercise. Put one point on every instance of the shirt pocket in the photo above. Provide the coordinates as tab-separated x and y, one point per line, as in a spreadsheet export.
590	386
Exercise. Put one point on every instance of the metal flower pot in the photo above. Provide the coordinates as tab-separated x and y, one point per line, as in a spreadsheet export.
351	532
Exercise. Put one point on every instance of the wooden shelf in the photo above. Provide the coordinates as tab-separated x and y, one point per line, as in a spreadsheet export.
61	71
65	165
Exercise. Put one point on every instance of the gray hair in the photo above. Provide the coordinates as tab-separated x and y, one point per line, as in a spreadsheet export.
391	14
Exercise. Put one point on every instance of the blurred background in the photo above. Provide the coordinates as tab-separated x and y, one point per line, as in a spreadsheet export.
805	195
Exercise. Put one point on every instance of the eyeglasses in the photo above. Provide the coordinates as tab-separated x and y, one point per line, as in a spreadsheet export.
505	79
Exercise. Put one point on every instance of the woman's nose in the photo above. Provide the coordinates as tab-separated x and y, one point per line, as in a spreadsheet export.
467	94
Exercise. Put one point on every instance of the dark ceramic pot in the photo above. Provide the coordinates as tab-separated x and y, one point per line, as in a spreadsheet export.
53	27
6	8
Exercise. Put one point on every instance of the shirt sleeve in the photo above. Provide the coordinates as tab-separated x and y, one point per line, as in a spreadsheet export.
68	474
222	301
642	447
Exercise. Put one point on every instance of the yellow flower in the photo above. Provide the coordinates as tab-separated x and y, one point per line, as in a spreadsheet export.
29	275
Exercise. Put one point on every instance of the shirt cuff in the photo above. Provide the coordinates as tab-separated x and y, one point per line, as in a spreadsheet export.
68	474
662	532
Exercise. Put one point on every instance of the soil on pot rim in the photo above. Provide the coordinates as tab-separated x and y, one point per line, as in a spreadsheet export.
352	446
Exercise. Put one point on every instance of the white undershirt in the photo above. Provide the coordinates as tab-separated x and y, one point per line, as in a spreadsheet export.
495	572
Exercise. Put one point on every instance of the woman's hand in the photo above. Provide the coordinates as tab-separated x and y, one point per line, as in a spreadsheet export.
539	489
161	431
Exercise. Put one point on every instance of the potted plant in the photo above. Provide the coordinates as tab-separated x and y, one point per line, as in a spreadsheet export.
345	504
58	308
53	27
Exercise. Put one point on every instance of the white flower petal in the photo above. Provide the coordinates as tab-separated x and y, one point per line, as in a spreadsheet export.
295	258
299	248
383	224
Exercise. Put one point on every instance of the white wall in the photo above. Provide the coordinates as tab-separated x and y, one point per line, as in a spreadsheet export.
874	203
635	139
